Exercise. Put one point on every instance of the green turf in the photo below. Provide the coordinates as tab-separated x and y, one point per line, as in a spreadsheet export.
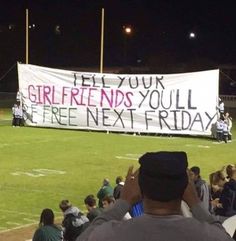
85	158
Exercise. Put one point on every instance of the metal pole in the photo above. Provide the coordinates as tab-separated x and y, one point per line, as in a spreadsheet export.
102	42
27	37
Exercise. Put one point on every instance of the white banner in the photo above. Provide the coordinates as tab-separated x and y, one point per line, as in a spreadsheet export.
174	103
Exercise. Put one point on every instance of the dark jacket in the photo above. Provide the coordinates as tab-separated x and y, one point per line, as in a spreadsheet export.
94	213
74	223
117	190
228	199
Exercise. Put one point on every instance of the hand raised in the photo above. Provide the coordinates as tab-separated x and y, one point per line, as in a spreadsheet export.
131	191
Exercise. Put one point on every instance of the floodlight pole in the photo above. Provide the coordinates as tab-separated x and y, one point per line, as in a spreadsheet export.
27	36
102	42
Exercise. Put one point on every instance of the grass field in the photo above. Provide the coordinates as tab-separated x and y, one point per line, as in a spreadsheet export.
39	167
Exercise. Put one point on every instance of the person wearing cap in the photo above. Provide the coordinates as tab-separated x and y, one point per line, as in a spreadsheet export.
105	190
160	183
74	222
201	186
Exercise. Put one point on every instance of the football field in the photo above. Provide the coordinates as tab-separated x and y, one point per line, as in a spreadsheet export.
39	167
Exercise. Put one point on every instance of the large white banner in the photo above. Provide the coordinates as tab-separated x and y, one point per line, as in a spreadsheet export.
174	103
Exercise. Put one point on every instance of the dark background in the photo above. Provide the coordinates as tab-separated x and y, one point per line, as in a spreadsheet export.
67	35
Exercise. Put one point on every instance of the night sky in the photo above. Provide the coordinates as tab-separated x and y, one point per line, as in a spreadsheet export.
67	34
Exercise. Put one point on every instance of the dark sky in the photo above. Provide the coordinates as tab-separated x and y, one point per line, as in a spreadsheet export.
160	36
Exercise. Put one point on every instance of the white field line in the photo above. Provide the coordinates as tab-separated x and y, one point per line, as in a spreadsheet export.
217	143
23	143
199	146
2	145
126	158
133	155
35	190
24	213
19	213
21	226
13	223
156	137
18	227
130	156
6	118
202	146
29	220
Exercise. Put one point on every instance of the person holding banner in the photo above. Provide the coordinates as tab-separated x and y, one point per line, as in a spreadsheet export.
228	120
225	131
219	130
221	108
17	114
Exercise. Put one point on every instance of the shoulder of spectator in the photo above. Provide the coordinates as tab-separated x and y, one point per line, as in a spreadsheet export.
203	215
114	215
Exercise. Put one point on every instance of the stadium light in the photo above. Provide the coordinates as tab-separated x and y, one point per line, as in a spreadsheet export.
192	35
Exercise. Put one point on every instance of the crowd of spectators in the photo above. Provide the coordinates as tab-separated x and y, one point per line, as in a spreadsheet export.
147	205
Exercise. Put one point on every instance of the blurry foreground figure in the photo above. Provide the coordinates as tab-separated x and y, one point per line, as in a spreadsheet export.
160	183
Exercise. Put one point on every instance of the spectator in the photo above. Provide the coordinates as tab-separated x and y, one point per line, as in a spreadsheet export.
47	229
14	120
219	130
105	190
201	186
221	108
108	201
228	120
17	115
217	181
228	196
160	183
91	205
225	131
74	222
118	187
18	96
